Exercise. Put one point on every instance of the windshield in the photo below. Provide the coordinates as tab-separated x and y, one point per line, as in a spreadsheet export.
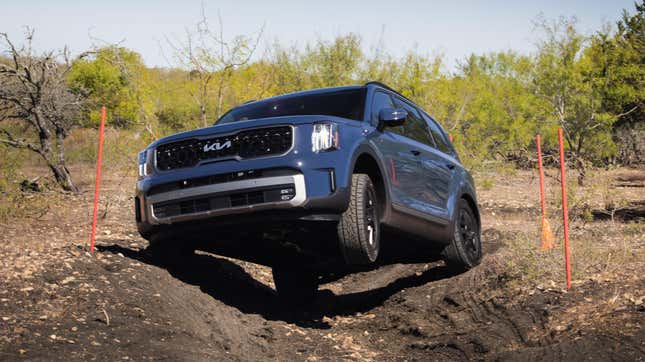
345	103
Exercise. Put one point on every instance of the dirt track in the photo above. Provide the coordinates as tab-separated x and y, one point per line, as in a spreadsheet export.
120	303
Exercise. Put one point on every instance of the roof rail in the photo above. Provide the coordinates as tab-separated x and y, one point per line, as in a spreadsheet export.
383	85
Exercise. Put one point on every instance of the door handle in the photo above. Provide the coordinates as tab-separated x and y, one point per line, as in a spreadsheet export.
415	152
451	166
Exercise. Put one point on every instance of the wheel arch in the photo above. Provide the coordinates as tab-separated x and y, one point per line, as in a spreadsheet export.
473	205
366	161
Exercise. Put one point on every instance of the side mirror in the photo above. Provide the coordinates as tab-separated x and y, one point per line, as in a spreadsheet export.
391	117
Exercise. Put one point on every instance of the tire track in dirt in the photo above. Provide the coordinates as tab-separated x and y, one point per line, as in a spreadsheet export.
471	316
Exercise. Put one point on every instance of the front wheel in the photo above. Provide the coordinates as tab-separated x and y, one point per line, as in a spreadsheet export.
359	230
465	250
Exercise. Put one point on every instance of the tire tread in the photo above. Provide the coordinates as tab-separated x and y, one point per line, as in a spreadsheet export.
351	228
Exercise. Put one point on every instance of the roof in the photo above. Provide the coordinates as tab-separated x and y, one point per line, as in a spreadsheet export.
324	90
305	92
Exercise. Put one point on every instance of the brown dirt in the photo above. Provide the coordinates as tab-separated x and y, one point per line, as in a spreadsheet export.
59	302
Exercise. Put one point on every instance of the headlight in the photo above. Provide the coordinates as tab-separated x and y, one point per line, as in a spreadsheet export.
143	164
325	137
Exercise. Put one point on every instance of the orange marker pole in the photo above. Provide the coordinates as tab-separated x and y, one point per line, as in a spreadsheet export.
565	212
98	179
450	137
546	234
542	200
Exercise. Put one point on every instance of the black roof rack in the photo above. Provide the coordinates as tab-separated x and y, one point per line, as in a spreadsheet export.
383	85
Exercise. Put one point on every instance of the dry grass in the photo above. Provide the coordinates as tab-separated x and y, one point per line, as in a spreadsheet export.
596	249
600	246
16	166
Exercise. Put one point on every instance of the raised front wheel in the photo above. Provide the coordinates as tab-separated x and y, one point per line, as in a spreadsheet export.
359	229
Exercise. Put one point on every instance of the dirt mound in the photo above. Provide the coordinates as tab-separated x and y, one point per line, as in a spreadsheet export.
109	306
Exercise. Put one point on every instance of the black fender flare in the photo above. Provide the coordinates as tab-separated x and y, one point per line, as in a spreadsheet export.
466	191
366	148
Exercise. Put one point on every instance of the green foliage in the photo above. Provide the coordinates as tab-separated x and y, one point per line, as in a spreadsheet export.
618	67
493	105
589	84
331	64
115	78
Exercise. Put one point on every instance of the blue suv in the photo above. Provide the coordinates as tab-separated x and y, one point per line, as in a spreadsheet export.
331	167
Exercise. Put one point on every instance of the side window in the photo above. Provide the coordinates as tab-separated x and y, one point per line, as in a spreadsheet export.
439	136
415	127
381	100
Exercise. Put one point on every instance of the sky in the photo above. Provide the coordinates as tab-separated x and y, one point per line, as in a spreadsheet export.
454	29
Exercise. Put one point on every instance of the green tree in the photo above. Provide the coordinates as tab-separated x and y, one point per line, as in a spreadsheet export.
619	70
114	77
573	91
212	60
334	63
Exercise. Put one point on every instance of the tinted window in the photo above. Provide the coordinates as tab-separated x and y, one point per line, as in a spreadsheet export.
346	104
439	136
381	100
415	127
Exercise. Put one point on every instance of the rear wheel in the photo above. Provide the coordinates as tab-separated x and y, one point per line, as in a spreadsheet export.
295	286
359	230
464	251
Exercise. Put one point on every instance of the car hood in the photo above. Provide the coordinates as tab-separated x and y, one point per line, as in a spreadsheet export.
254	123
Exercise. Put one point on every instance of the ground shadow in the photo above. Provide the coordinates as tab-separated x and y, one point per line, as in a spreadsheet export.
229	283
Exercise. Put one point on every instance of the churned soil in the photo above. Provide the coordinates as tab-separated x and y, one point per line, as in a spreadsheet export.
60	302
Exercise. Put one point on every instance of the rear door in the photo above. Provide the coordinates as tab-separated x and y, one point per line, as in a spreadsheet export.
426	185
441	162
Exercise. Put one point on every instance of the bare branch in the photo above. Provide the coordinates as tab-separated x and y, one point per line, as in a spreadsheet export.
213	57
12	141
627	113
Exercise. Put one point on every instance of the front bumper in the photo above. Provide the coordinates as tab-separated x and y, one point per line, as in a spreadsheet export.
229	198
315	189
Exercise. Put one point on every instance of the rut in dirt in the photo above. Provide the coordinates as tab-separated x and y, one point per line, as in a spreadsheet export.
229	283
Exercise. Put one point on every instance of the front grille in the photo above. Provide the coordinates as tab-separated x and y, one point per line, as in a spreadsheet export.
244	144
218	179
216	202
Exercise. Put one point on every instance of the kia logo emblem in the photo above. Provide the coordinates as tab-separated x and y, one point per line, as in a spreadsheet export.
217	146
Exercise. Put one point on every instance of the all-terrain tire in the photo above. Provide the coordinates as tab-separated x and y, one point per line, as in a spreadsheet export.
359	231
295	286
464	251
